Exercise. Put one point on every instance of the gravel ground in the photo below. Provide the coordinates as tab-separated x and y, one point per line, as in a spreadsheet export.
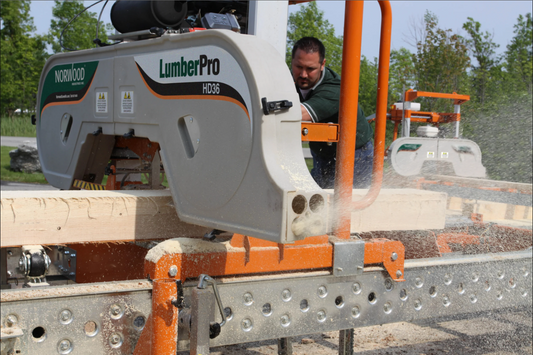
494	334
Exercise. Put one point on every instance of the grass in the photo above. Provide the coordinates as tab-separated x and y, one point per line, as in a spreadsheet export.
6	174
17	126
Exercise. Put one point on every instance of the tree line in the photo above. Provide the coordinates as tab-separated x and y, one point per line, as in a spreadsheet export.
498	116
24	53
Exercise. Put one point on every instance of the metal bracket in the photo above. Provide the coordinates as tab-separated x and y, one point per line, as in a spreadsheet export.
348	258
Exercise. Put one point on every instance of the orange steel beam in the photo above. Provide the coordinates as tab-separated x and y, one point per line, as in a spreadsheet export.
164	317
411	95
423	116
249	256
320	132
381	108
391	254
353	29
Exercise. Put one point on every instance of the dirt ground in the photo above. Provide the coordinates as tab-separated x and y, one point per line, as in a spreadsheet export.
493	334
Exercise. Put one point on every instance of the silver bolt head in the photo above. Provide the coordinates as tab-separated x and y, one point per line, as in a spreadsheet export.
248	298
11	320
64	345
65	315
398	274
394	256
173	271
286	295
322	291
115	310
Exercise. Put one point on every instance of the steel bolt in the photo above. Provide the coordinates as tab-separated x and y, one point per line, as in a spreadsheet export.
446	301
418	305
286	295
9	274
248	298
356	312
356	288
115	310
285	320
173	271
399	274
190	119
9	252
11	320
387	307
305	131
64	346
65	315
394	256
388	284
115	339
246	324
321	315
322	291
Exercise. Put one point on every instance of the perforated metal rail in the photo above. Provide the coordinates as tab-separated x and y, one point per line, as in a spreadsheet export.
93	321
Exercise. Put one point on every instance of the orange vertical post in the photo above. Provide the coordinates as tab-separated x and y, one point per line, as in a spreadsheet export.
381	107
164	317
353	29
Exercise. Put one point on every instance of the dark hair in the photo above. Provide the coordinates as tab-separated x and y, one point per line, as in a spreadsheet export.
310	45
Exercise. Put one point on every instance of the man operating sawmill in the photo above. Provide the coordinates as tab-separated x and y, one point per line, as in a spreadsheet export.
319	91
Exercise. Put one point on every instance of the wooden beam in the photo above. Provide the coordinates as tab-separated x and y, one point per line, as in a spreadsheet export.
61	217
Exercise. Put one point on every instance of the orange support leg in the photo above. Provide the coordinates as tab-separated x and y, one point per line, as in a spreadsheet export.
164	317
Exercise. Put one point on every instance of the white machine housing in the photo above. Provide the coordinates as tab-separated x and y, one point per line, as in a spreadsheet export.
229	165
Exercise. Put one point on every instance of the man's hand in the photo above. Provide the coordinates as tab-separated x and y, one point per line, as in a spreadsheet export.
305	114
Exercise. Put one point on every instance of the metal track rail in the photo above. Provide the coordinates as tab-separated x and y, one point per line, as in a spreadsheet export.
108	318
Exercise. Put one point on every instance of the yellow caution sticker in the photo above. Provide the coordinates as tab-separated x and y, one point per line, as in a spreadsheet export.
84	185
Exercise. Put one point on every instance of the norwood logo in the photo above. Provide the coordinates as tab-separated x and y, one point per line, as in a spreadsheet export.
69	74
182	68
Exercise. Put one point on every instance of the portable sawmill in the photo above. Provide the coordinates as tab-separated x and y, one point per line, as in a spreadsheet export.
243	245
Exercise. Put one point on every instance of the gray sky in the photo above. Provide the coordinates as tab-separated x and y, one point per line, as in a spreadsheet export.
497	17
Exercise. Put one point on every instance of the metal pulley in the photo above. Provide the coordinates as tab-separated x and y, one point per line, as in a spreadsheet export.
34	262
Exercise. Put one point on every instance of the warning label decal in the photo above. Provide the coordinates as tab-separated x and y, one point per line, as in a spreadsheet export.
101	102
127	102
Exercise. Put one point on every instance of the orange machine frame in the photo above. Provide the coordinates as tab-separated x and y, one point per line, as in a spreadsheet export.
435	118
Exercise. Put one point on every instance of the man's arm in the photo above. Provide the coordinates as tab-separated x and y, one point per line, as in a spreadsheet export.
305	114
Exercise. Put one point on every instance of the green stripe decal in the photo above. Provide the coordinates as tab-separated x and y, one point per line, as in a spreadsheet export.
409	147
67	83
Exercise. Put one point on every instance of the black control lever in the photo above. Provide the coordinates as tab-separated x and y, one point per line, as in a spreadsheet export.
272	106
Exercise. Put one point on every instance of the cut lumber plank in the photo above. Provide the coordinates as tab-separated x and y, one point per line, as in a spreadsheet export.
483	183
61	217
400	209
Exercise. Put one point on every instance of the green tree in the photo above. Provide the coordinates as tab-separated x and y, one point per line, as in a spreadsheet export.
440	63
22	57
483	49
309	21
368	85
401	74
519	54
80	33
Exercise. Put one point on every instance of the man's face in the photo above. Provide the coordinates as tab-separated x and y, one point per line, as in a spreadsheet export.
306	69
